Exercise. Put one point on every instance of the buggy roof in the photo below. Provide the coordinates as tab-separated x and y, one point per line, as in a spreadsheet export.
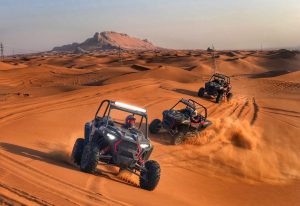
192	104
186	102
109	104
221	76
128	108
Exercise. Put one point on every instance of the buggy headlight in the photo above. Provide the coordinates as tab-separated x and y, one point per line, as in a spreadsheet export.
144	145
111	136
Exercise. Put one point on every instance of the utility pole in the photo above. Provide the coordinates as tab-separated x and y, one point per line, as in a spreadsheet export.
1	51
214	59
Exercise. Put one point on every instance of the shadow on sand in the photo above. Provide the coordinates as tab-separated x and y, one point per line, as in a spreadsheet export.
56	158
163	138
187	92
194	94
269	74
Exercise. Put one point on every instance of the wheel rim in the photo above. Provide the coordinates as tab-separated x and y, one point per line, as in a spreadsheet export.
177	140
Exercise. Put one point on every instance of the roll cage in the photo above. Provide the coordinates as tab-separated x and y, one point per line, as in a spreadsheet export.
193	105
125	108
220	76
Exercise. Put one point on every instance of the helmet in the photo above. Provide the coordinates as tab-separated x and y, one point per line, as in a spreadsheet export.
194	113
130	121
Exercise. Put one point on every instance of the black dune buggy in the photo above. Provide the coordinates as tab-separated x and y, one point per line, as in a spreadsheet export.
107	140
218	86
184	118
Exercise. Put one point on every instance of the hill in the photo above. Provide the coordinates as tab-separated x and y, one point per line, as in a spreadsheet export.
108	40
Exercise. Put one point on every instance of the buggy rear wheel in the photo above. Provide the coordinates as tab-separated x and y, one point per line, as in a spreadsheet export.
77	151
150	177
177	138
155	126
90	158
219	97
229	96
201	92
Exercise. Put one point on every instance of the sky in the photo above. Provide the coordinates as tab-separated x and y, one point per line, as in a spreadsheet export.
39	25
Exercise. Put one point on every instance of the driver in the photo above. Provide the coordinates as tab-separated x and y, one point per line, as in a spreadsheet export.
195	117
129	122
222	81
216	81
187	111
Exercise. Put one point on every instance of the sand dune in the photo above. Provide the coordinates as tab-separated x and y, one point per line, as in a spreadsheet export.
290	76
249	156
163	72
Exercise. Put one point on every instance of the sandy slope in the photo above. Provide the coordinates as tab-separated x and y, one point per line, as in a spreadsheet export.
248	157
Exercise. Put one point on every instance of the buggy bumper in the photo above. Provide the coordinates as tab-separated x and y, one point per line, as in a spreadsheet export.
206	123
126	154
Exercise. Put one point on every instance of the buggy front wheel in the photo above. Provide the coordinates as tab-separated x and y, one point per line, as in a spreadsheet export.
177	138
201	92
77	151
219	97
229	96
155	126
90	158
150	176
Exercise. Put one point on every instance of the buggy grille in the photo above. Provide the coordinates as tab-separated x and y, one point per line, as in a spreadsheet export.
128	147
127	154
211	88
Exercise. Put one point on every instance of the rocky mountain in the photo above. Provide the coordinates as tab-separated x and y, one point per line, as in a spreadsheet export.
106	41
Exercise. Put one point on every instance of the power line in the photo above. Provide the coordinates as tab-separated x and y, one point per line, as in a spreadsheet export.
23	50
17	50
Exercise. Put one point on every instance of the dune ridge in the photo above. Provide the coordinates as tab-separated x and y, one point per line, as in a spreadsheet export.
247	157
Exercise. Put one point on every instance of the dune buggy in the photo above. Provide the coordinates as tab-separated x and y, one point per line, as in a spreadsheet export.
106	140
184	118
218	86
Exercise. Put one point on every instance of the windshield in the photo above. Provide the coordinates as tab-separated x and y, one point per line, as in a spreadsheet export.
219	79
127	120
181	106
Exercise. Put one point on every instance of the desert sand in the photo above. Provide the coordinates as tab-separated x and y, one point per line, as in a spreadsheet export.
249	156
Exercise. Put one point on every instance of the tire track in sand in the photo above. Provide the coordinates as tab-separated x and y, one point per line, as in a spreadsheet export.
245	105
255	112
25	195
53	184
